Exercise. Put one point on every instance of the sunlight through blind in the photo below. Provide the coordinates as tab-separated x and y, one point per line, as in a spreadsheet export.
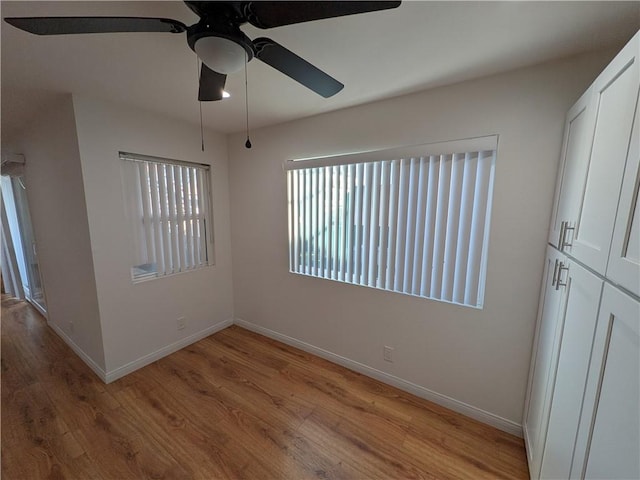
168	203
415	224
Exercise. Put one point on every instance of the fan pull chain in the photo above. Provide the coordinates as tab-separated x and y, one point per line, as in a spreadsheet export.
246	101
200	105
201	127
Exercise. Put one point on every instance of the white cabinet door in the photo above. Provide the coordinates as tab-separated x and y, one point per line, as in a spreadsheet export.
624	258
574	162
578	320
615	94
543	362
609	438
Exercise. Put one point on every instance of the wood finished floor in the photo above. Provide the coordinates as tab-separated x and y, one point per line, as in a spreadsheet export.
234	405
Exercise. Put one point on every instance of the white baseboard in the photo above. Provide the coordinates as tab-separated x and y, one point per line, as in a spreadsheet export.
85	358
164	351
417	390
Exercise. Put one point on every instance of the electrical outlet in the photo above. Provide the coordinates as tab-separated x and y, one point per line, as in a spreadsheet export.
182	323
387	353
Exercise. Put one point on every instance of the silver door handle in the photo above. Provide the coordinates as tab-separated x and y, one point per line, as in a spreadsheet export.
559	282
563	236
563	224
555	273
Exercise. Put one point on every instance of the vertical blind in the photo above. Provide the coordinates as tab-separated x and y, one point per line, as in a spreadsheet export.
168	203
417	225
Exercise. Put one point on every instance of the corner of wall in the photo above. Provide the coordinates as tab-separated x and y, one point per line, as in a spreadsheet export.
57	205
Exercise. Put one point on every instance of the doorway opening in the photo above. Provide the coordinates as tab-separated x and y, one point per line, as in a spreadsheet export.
20	268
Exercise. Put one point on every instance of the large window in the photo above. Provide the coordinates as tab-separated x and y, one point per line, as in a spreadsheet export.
412	220
168	203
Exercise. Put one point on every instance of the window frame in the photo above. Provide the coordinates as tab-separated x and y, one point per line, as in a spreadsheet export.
150	231
372	198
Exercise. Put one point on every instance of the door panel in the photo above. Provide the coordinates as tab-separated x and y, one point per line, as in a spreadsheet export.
615	92
624	257
574	163
36	293
609	435
578	326
543	363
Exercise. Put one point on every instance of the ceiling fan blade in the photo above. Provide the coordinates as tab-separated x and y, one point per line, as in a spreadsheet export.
211	84
277	14
70	25
297	68
209	9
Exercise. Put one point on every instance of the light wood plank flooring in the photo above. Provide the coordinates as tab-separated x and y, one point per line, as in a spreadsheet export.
235	405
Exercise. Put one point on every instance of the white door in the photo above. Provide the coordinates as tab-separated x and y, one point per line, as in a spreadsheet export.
624	258
578	320
609	435
615	93
35	293
543	362
572	172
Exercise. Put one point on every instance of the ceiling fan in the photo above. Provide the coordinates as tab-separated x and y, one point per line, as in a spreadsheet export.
217	39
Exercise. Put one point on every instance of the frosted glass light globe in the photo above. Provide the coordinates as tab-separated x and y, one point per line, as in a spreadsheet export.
220	54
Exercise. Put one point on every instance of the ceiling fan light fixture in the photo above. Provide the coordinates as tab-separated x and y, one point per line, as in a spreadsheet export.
220	54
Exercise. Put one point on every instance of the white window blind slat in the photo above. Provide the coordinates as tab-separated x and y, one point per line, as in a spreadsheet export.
343	222
335	232
190	215
392	227
407	281
302	205
156	216
313	200
357	224
181	230
307	223
165	218
171	194
401	226
301	219
430	226
383	224
293	221
417	225
145	188
190	226
366	223
349	224
440	234
329	222
418	241
197	242
320	226
374	226
312	240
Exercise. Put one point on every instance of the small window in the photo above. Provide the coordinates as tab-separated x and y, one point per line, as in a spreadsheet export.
169	205
412	220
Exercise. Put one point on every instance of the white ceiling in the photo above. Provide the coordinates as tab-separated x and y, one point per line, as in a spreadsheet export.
376	55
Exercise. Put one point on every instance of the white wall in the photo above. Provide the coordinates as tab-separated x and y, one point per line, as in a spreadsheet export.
139	320
55	193
477	358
